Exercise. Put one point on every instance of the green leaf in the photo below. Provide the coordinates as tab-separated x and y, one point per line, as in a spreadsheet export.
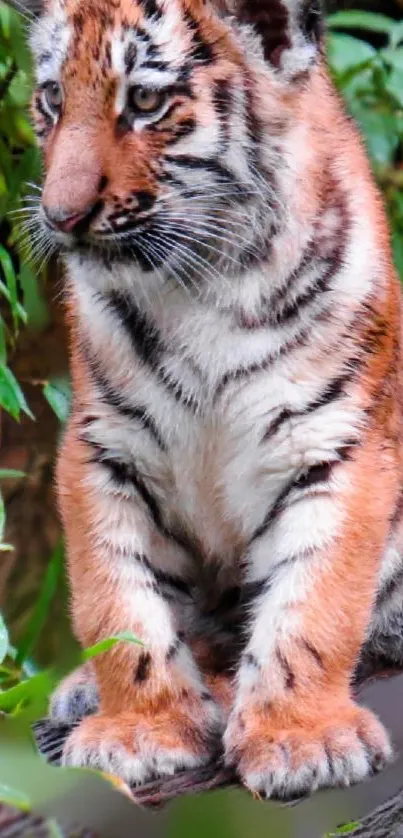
8	396
11	395
27	169
42	605
5	292
394	85
108	643
19	92
34	302
5	19
57	393
343	830
14	797
11	280
2	518
6	160
393	57
352	19
11	473
4	641
380	132
54	829
30	696
397	239
3	348
346	52
396	35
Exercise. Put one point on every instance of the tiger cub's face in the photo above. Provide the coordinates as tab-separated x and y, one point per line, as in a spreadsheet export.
161	124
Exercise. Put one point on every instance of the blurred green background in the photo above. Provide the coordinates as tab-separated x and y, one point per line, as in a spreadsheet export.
365	49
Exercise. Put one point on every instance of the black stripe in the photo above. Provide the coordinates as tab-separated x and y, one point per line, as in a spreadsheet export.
319	473
309	295
130	58
209	164
181	130
164	578
313	652
143	334
155	64
250	660
108	57
146	341
46	116
289	675
112	397
151	9
271	23
229	600
142	671
245	372
127	473
167	177
398	511
311	20
277	310
315	475
201	49
269	305
150	584
251	590
272	514
333	391
329	759
254	589
43	57
222	100
173	649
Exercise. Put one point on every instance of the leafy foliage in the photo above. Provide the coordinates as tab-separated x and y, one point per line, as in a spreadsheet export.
347	829
371	81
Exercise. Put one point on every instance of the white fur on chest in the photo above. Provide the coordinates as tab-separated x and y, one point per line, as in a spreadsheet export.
216	476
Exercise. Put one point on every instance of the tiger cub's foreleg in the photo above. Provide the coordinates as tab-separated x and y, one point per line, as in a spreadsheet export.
156	714
294	726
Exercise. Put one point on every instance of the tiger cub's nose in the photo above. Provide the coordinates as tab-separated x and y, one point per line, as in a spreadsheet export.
77	215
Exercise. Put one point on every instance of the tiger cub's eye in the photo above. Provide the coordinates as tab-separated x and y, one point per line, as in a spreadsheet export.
53	95
145	101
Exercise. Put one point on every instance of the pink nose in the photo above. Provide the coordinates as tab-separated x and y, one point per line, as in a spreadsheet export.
66	221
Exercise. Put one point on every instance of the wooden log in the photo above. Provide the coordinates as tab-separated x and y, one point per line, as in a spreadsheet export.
377	805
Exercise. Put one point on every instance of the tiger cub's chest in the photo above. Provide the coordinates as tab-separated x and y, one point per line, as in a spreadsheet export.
215	475
217	421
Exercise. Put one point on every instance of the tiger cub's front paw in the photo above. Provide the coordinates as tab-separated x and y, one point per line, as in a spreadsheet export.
75	697
136	747
293	762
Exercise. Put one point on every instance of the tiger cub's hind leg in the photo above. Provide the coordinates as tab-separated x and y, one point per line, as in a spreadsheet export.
75	697
383	647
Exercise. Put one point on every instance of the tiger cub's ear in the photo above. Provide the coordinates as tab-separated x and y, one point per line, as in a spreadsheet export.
290	31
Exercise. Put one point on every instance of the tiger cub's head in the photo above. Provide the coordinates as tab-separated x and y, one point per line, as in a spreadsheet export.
163	125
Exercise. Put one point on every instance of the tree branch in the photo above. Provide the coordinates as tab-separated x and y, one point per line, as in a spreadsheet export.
386	821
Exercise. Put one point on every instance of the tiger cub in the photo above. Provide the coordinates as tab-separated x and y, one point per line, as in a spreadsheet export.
230	480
